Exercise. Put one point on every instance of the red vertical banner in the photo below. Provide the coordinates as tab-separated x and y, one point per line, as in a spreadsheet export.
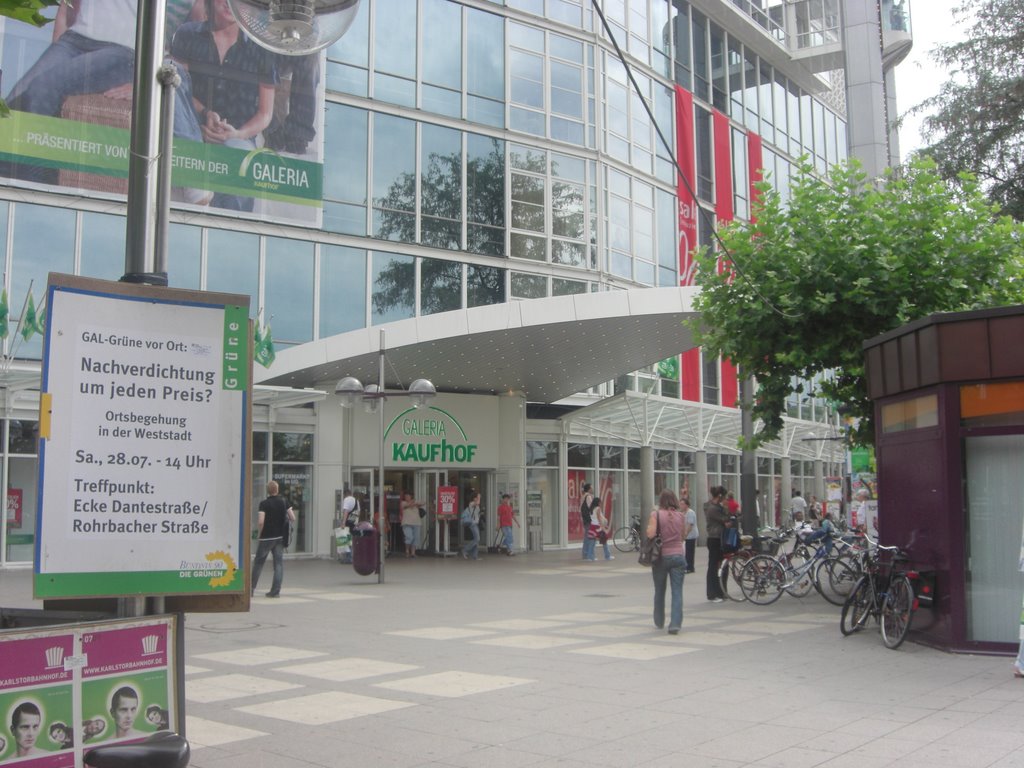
724	212
686	180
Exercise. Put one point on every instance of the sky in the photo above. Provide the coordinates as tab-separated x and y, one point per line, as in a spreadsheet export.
916	76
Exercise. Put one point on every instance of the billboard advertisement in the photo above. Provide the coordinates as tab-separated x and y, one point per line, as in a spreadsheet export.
67	689
248	124
144	438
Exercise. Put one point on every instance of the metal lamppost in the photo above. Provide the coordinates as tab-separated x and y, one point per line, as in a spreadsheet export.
374	396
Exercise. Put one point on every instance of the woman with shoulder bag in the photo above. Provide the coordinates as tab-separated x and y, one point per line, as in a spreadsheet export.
670	523
715	519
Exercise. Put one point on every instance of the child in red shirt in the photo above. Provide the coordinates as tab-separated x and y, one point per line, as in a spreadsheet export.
506	517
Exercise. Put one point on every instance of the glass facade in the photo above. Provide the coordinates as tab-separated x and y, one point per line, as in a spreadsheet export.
520	159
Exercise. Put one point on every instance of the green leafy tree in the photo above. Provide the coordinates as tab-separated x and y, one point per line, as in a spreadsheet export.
28	11
848	259
975	121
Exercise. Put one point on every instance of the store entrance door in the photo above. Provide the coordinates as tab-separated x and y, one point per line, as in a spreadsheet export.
427	483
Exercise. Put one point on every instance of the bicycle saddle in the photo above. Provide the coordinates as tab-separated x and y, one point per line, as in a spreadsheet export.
161	750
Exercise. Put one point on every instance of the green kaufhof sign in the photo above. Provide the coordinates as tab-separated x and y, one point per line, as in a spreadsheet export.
429	436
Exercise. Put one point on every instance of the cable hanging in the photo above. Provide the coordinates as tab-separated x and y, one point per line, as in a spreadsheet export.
675	163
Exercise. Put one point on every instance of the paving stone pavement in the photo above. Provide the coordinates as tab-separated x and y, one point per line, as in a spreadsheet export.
544	660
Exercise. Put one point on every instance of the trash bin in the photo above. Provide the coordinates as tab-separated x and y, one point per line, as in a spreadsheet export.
365	549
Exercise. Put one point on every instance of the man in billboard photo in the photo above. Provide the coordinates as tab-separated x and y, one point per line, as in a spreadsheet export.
92	51
25	723
124	708
229	80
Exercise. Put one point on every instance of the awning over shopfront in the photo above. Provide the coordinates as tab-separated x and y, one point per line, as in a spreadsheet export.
546	349
650	419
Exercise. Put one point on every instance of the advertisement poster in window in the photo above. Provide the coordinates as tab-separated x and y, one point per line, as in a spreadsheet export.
248	124
14	500
143	449
575	479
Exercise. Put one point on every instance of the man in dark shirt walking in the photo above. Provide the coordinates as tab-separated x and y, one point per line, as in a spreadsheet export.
274	516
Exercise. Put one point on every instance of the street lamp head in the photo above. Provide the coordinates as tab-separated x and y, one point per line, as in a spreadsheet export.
350	389
372	396
294	27
420	391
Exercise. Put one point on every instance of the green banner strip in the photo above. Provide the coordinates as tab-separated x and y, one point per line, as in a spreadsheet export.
88	148
235	372
131	583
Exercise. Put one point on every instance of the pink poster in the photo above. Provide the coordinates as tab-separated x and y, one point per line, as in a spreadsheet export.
124	671
576	478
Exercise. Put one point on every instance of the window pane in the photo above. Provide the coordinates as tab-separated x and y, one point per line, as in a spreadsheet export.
342	289
442	64
529	286
541	453
485	35
394	162
393	286
44	242
184	246
103	238
441	172
580	455
232	264
484	285
485	193
288	289
293	446
345	141
561	287
440	286
395	37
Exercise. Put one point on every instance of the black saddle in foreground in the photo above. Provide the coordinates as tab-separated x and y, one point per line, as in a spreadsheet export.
161	750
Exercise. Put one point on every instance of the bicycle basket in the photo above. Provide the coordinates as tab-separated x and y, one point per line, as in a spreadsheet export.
766	545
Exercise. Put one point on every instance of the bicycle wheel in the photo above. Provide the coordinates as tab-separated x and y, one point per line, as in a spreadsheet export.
762	579
803	579
624	540
730	574
834	580
897	612
856	608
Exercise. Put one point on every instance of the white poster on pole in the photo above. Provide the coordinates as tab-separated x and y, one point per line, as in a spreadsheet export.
143	441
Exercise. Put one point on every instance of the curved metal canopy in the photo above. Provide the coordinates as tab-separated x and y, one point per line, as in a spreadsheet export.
546	349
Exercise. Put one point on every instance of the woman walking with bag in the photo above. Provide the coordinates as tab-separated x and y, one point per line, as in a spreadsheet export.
668	522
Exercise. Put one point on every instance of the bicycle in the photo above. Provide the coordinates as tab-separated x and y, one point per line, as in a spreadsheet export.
733	562
764	578
163	749
627	538
886	592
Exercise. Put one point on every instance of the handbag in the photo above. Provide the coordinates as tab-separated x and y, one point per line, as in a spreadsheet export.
730	539
650	548
423	513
